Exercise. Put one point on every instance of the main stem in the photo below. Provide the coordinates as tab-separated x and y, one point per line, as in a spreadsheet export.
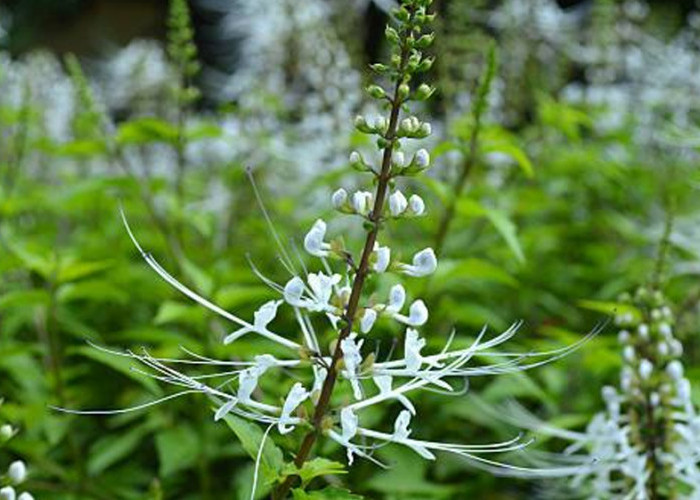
375	217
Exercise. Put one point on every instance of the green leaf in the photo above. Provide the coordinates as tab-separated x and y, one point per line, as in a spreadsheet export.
329	493
251	437
505	227
178	449
313	468
611	308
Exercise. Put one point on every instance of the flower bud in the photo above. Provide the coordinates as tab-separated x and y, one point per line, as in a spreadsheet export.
675	369
25	496
425	41
645	369
339	198
391	34
425	64
403	91
425	130
417	314
623	337
376	91
8	493
6	432
417	204
423	92
398	159
17	472
362	125
643	331
362	202
422	159
397	203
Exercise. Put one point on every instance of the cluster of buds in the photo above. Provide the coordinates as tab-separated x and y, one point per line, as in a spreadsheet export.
16	472
645	444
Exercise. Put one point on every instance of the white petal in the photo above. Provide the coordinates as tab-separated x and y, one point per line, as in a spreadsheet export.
397	203
368	319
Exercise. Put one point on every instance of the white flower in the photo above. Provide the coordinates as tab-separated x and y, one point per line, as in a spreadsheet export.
645	369
417	314
383	255
25	496
339	198
352	359
397	203
412	347
8	493
417	204
17	472
426	129
424	263
628	353
362	202
422	158
367	321
397	298
321	290
296	396
313	242
261	318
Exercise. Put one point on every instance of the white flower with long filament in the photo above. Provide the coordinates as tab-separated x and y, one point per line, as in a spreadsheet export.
261	318
417	314
353	359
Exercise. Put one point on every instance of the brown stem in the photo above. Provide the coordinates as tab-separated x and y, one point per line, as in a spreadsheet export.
457	189
363	270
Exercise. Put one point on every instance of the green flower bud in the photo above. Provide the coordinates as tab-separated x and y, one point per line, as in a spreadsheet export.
391	35
423	92
425	64
425	41
404	90
376	91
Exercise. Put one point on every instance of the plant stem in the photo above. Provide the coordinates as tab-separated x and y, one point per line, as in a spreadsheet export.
363	270
458	187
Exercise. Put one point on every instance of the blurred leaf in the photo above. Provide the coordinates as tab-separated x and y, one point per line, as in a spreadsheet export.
77	270
468	207
178	449
177	312
145	130
112	448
